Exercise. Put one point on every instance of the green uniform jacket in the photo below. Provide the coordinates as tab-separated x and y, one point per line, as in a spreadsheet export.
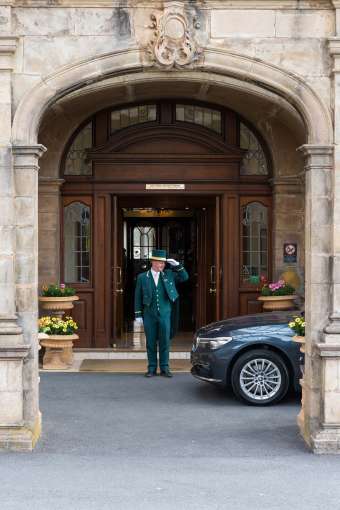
143	293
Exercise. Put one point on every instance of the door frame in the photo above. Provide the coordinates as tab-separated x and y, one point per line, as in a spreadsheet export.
176	201
98	297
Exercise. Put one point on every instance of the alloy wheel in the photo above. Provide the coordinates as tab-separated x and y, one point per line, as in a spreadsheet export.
260	379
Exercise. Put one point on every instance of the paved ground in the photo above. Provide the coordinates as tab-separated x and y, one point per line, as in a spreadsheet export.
122	442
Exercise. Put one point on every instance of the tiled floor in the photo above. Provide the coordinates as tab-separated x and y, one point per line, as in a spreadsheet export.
135	341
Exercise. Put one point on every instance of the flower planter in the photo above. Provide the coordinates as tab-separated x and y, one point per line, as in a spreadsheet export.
273	303
57	303
301	416
59	354
300	340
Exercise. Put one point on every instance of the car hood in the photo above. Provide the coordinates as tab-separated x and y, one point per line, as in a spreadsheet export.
239	324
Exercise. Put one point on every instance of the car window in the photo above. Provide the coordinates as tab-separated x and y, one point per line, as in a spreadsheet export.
271	318
262	331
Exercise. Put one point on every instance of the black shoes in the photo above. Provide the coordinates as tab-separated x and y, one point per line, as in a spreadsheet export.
166	373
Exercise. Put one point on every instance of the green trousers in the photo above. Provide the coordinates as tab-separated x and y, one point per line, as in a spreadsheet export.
157	331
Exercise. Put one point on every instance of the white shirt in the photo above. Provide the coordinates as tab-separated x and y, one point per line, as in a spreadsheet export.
155	275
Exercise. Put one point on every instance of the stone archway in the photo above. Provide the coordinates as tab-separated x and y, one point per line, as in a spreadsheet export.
228	72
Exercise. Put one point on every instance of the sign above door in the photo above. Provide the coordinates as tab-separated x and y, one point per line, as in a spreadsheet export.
164	186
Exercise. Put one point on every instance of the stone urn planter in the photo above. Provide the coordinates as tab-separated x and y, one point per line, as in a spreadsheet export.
58	351
276	303
57	303
300	340
301	416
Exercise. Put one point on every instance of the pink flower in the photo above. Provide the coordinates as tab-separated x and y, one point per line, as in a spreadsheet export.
62	285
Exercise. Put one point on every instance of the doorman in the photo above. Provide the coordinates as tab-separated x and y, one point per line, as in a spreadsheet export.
155	296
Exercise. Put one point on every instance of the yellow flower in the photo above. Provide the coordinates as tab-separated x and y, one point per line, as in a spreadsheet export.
291	324
303	324
298	320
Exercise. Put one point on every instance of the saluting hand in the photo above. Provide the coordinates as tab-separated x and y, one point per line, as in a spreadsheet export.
172	262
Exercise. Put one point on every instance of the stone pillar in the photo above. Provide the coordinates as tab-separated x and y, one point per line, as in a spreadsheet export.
326	439
320	418
25	165
49	230
13	352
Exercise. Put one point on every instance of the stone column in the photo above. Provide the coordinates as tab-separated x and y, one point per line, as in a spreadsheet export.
327	437
49	230
25	165
13	352
320	418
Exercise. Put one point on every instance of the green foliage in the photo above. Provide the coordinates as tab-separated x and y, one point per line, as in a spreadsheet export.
279	288
55	290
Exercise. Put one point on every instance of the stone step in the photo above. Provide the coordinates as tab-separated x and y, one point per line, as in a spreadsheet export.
80	355
132	366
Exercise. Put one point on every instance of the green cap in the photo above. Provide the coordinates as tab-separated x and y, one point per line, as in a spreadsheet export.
158	255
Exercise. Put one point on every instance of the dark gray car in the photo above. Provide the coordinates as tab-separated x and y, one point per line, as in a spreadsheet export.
254	354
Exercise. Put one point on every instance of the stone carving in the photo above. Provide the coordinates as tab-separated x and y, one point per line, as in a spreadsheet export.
173	44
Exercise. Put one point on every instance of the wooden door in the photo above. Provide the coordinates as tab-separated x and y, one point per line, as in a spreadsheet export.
213	262
117	271
208	283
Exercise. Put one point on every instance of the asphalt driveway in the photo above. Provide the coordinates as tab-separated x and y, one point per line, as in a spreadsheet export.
120	441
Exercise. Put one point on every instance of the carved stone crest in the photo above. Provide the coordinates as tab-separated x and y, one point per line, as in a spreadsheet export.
173	43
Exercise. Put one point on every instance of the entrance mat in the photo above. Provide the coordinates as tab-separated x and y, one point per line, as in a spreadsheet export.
132	366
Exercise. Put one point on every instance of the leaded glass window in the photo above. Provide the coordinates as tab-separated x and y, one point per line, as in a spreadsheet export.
207	117
254	229
254	161
75	163
77	243
144	241
130	116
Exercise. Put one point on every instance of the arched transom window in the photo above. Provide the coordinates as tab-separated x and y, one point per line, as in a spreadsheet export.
75	162
130	116
195	114
254	162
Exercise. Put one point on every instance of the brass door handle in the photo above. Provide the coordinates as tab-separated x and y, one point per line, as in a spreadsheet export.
119	291
212	291
212	275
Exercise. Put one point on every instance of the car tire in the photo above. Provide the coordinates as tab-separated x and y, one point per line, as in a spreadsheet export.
260	377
